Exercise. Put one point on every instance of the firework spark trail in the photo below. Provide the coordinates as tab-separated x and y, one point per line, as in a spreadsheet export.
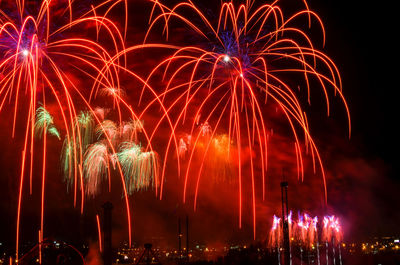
306	228
332	229
103	78
96	166
219	165
44	124
99	233
73	149
156	99
251	50
166	111
275	233
305	232
139	167
31	49
332	233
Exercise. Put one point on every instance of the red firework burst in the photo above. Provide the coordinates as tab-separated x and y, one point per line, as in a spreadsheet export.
236	64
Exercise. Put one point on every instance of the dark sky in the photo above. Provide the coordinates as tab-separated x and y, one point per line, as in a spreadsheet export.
360	39
362	172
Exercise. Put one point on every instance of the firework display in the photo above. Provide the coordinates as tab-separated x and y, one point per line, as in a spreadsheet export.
62	64
238	63
36	42
106	146
308	237
219	165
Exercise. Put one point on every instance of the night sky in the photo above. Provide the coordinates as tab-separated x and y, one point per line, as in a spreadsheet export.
360	40
362	172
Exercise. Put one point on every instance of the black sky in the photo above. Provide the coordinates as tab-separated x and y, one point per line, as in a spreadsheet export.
360	38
